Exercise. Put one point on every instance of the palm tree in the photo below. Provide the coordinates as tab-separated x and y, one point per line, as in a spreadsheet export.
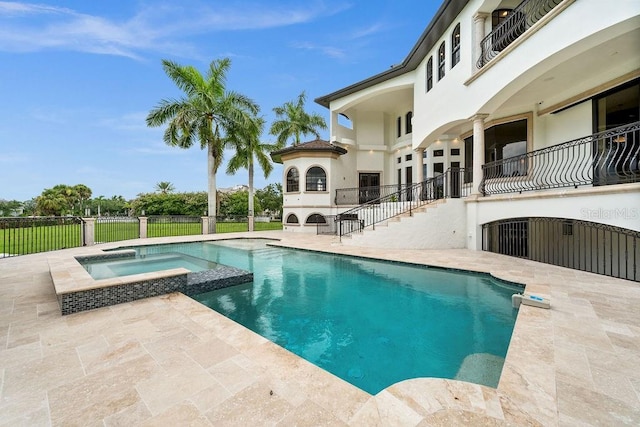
205	114
293	121
164	187
246	142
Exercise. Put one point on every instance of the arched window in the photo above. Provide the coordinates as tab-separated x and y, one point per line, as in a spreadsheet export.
316	219
455	46
292	219
429	73
316	179
293	180
441	61
409	126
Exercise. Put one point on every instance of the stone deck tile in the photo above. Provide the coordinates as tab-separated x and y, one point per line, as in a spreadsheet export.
170	360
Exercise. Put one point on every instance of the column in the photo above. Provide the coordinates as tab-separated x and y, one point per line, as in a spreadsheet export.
143	227
478	34
478	150
89	231
418	164
205	224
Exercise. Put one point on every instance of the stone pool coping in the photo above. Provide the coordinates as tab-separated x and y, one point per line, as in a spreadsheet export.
171	360
77	291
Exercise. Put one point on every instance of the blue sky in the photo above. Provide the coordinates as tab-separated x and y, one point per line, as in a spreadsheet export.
77	79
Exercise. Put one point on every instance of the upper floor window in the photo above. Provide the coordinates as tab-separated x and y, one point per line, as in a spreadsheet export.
399	126
455	46
292	219
408	125
429	73
316	179
441	61
293	180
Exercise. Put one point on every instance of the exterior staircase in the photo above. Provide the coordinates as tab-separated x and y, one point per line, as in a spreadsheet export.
438	225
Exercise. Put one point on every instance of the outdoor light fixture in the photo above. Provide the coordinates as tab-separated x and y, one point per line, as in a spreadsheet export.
620	139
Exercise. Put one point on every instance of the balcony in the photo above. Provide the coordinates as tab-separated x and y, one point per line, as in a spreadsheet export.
515	24
605	158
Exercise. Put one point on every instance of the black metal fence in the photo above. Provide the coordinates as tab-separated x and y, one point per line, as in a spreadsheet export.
21	236
173	225
26	235
513	26
577	244
116	228
448	185
604	158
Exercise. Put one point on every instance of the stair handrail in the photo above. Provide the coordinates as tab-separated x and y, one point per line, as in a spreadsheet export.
450	184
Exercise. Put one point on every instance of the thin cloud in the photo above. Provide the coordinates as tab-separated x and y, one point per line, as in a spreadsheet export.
367	31
26	27
330	51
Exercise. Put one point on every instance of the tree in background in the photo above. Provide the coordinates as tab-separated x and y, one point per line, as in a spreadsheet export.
293	122
82	194
63	199
165	187
246	141
204	114
237	204
270	198
115	206
10	207
193	204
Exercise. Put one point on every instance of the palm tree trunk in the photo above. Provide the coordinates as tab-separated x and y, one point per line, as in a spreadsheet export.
211	189
251	213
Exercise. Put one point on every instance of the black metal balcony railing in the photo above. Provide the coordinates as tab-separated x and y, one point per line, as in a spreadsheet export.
519	20
448	185
604	158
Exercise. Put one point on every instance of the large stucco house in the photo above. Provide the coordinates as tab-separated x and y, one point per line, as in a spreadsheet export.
510	126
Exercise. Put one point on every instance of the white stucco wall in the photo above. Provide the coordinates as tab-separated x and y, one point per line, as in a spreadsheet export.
572	123
613	205
452	102
442	226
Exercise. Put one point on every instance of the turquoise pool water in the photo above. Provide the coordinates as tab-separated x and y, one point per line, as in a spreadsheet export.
371	323
108	268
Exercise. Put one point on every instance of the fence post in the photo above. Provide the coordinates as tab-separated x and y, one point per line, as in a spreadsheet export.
250	218
205	224
143	227
89	225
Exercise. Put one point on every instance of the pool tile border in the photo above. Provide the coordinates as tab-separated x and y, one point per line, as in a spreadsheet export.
77	291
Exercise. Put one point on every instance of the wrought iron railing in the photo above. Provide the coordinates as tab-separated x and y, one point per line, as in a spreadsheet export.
173	225
116	228
448	185
580	245
604	158
357	196
21	236
518	21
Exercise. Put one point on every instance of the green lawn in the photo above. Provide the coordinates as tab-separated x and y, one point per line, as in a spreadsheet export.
30	240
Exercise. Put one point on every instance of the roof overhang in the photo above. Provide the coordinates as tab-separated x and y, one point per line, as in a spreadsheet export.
443	18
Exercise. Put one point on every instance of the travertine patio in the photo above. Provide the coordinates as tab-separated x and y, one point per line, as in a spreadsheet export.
170	361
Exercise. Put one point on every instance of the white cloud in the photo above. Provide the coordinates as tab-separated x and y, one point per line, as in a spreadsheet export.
28	27
330	51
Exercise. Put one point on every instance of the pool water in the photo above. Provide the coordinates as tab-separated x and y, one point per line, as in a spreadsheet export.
371	323
108	268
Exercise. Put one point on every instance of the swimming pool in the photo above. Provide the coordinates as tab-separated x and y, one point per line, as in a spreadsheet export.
108	268
370	323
